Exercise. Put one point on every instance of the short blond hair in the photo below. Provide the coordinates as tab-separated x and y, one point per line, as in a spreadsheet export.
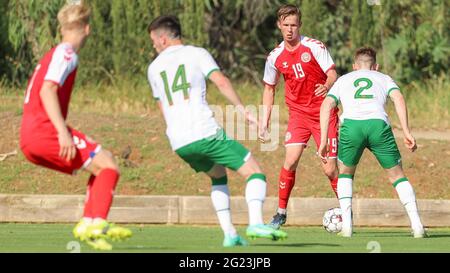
74	16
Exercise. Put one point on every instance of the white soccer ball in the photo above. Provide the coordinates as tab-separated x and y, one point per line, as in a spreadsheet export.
332	220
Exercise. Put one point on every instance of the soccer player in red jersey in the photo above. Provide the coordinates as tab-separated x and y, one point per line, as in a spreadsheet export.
309	72
46	140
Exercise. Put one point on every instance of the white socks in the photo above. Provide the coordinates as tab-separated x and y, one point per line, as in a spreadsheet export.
408	198
255	194
220	196
345	193
282	211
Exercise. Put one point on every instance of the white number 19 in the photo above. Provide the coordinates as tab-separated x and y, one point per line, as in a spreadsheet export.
298	70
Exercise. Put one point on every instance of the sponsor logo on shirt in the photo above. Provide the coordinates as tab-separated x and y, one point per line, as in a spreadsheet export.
285	64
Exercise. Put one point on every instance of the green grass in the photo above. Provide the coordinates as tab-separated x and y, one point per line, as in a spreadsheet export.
201	239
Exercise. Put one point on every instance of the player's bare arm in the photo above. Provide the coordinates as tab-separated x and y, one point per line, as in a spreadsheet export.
402	113
226	88
322	89
49	98
268	101
325	110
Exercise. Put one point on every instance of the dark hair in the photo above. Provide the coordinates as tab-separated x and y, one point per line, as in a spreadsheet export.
168	23
288	10
368	52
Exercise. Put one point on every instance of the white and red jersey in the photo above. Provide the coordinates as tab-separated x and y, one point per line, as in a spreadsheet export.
302	69
59	65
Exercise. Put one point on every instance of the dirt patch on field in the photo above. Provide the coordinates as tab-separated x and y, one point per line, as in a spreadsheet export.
149	166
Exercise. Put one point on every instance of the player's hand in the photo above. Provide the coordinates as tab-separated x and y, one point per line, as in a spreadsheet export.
251	119
263	134
67	148
323	153
321	90
410	142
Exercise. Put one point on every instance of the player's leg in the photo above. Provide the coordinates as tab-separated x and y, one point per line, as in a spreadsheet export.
255	194
407	196
255	190
196	155
385	149
45	152
286	182
106	172
330	168
102	183
297	137
220	196
231	154
352	143
345	193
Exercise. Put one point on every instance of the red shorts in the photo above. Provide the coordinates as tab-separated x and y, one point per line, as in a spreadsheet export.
301	127
44	151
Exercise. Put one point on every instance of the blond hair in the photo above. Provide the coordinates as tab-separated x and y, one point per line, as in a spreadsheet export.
74	16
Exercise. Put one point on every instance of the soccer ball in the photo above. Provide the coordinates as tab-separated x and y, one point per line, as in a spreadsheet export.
332	220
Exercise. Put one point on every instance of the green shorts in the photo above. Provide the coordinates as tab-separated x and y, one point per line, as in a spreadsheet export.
374	134
219	149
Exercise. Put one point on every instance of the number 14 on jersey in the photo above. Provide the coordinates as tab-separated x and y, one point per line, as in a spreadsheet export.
179	84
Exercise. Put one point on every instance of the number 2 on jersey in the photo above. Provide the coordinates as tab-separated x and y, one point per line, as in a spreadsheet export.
368	85
176	86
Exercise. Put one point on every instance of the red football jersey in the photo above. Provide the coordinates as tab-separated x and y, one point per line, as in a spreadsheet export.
59	65
302	69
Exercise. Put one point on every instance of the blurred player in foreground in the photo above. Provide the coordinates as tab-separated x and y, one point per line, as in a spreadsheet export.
46	140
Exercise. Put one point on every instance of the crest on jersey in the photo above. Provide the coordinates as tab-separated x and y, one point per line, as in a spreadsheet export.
306	57
285	64
288	136
68	54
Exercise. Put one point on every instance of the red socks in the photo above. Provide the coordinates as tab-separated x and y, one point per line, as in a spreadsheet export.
87	202
333	183
100	194
286	183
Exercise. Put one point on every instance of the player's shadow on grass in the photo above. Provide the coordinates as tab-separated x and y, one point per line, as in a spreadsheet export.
432	236
142	248
382	234
297	245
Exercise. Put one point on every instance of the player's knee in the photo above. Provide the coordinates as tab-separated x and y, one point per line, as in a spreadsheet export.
394	177
330	172
108	161
395	173
291	164
217	171
249	168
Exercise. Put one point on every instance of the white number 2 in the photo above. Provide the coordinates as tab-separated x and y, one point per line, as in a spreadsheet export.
298	70
30	86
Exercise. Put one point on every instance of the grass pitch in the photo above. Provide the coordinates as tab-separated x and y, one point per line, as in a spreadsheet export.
208	239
